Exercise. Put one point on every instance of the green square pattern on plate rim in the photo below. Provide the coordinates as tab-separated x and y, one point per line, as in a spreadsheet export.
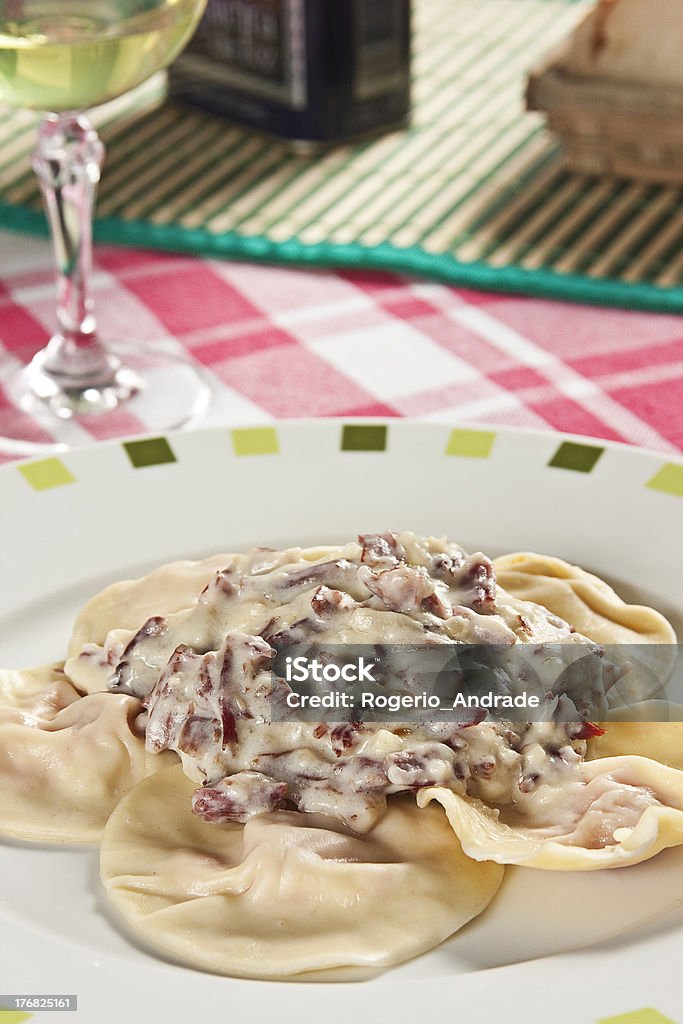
645	1016
44	474
255	441
357	437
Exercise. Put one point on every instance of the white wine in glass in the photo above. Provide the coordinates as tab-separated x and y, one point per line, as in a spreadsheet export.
65	56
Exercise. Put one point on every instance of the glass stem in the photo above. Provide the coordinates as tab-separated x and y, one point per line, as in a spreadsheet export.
67	160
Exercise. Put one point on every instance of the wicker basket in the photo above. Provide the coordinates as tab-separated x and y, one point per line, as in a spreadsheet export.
612	128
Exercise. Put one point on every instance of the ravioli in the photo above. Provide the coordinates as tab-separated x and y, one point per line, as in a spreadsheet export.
27	695
126	604
287	892
582	599
596	611
622	810
65	760
117	612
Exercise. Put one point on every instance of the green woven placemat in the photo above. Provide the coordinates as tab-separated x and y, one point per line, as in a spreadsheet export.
473	193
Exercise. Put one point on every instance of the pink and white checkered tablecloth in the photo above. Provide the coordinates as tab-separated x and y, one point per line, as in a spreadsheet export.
288	343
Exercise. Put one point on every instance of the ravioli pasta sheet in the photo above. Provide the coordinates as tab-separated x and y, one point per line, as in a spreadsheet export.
593	608
287	892
27	695
582	599
624	810
115	614
65	760
171	588
128	603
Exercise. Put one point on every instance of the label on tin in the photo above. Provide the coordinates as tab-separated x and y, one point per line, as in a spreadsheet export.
256	46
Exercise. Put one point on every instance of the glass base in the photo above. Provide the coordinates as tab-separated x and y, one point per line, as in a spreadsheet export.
138	390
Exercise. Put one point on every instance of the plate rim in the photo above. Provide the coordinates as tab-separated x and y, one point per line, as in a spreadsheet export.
309	422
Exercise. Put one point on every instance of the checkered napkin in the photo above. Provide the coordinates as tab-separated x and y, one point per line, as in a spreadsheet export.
288	343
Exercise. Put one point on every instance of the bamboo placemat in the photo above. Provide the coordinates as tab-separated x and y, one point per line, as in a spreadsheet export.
473	193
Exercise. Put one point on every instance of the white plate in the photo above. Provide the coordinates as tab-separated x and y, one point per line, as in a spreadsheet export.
76	523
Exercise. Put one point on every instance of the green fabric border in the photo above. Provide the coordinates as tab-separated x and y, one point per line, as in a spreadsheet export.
547	284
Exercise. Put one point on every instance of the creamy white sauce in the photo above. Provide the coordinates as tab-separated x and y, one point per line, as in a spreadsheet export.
204	674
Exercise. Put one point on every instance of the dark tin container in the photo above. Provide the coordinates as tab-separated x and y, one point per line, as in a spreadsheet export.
313	72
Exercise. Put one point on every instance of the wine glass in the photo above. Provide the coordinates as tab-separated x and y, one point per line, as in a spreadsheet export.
65	56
